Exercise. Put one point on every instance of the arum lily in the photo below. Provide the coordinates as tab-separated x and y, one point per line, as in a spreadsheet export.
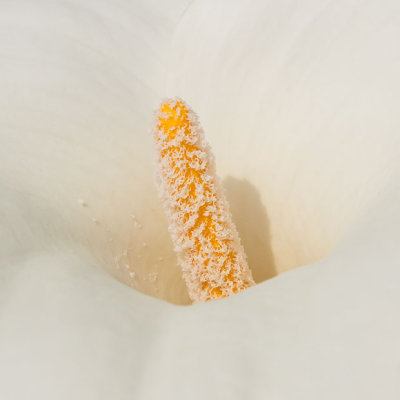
300	105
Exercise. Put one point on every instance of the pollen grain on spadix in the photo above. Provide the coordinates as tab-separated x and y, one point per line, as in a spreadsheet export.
205	239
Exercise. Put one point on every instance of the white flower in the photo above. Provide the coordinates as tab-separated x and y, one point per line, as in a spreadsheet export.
299	102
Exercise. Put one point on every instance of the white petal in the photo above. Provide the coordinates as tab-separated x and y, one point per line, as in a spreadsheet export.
325	331
78	85
299	103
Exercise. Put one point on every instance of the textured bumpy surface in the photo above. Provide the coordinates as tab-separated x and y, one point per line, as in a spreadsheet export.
204	236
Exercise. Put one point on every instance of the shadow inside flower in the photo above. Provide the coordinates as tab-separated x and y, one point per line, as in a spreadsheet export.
251	220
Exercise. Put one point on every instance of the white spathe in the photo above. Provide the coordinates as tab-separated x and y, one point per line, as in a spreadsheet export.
299	102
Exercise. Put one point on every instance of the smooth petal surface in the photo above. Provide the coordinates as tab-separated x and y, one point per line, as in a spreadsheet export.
299	103
79	82
304	96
